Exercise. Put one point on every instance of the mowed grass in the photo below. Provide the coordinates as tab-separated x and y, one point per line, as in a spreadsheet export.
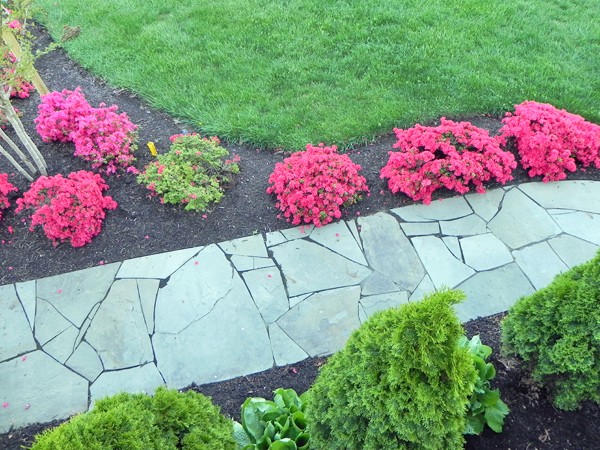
284	73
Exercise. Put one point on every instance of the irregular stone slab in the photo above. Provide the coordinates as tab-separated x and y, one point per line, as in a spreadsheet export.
465	226
85	361
299	232
389	251
193	290
274	238
148	290
573	251
322	323
267	291
15	332
354	230
49	323
243	263
308	267
231	340
445	209
118	332
582	195
375	303
246	246
285	351
338	238
295	300
580	224
159	266
424	288
521	221
62	346
378	284
73	295
486	205
86	324
454	246
26	293
485	252
420	228
441	265
137	380
539	263
38	389
492	292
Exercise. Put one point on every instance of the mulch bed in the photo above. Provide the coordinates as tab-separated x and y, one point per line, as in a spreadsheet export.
142	226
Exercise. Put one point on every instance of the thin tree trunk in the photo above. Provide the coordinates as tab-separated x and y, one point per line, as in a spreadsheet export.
16	164
18	151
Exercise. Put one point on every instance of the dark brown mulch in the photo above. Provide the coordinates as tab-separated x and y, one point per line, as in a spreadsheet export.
142	226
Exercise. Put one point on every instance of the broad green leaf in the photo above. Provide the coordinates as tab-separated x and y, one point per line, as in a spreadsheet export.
495	414
283	444
475	424
240	436
490	398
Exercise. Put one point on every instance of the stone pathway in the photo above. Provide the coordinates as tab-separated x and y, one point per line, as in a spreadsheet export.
211	313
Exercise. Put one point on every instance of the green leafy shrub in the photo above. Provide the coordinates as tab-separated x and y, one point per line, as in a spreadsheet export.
169	420
273	425
557	332
192	173
401	382
485	404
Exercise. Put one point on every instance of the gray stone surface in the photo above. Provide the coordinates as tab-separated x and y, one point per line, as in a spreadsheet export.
566	194
148	290
573	251
299	232
159	266
446	209
354	230
454	246
243	263
274	238
420	228
484	252
338	238
441	265
308	267
26	294
492	292
137	380
85	361
322	323
465	226
521	221
118	332
389	251
217	346
267	291
38	389
539	263
49	323
374	303
486	205
246	246
63	345
378	284
424	288
15	332
285	350
580	224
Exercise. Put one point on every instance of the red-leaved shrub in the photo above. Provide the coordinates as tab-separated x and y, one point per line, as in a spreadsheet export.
68	209
550	140
452	155
312	185
5	188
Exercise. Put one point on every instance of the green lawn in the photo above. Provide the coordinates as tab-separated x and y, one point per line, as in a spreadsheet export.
283	73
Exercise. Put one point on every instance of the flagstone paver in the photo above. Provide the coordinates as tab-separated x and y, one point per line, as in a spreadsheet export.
211	313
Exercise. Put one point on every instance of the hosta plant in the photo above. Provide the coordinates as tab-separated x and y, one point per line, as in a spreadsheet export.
456	156
551	141
5	189
192	173
68	209
485	405
313	185
273	425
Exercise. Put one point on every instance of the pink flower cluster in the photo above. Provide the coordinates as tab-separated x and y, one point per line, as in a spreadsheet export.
100	135
5	188
453	155
312	185
550	140
68	209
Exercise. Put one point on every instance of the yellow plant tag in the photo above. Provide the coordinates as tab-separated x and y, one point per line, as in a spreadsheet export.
152	148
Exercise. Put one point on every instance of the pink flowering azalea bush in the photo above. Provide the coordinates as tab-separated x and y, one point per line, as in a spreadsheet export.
453	155
101	135
313	185
68	209
551	141
192	173
5	189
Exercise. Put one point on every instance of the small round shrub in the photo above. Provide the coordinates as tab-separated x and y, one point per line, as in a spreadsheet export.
59	113
556	331
401	381
5	189
192	173
169	420
551	141
312	186
452	155
69	209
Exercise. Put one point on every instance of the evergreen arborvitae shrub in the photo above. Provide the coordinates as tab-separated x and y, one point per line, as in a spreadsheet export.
169	420
401	382
557	332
